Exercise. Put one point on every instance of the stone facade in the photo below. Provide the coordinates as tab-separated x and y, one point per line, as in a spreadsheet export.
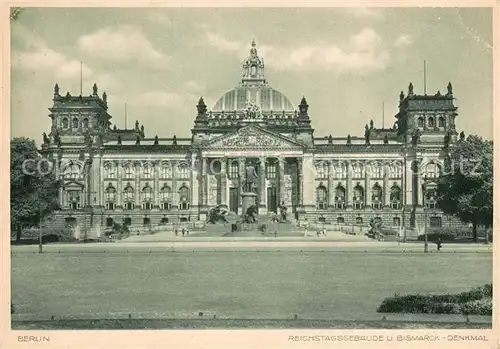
114	175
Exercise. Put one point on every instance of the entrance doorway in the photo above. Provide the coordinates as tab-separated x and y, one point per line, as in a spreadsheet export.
233	200
146	221
272	200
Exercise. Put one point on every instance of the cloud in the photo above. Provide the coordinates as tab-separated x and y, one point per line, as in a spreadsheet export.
158	18
47	60
403	40
366	40
158	99
221	43
366	12
121	44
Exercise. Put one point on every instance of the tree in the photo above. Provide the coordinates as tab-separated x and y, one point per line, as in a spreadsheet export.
33	186
465	188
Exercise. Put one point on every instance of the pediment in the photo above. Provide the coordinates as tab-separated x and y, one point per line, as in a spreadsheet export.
72	184
253	137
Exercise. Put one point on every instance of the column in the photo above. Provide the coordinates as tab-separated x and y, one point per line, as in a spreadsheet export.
387	189
137	187
156	184
119	187
61	197
368	190
241	163
262	184
195	187
96	181
300	183
331	189
408	176
223	182
87	178
349	192
281	173
175	191
203	181
417	188
309	172
101	187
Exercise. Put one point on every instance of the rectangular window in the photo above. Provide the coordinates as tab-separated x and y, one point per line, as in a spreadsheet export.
271	171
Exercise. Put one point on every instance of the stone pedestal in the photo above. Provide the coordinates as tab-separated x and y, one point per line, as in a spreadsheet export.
247	199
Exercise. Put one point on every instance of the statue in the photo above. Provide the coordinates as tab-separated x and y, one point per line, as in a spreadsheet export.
375	231
283	210
447	140
462	135
95	89
156	140
415	138
142	129
371	124
250	214
438	93
450	89
216	215
348	140
137	125
87	138
367	135
401	96
119	140
395	126
104	97
57	139
46	139
138	140
330	139
250	179
386	139
410	89
56	90
174	140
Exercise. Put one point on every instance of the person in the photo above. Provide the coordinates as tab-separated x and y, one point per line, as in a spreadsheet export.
176	232
183	231
187	232
438	244
275	232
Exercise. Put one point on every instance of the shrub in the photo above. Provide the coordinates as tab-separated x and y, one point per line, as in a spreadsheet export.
444	236
474	302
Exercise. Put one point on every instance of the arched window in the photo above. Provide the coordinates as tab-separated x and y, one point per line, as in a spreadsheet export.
129	197
376	169
147	197
358	197
233	171
110	170
184	198
74	123
147	171
85	124
65	123
321	198
431	170
420	122
340	197
441	122
321	170
340	170
129	171
72	171
165	171
358	170
396	170
110	197
377	196
430	122
183	171
166	198
395	197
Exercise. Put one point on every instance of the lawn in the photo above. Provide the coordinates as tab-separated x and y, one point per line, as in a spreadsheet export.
244	285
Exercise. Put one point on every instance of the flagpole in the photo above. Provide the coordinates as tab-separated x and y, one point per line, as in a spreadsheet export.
383	114
425	79
125	115
81	78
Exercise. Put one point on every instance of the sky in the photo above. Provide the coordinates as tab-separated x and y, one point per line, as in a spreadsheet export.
347	62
